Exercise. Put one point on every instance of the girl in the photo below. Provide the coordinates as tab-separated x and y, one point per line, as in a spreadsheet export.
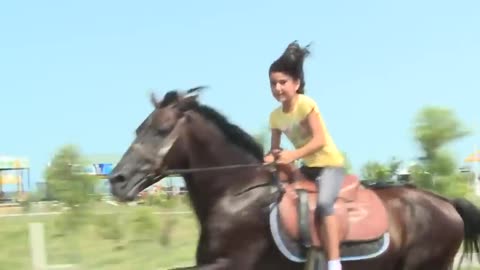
299	119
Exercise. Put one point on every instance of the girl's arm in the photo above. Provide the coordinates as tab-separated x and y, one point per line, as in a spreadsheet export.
275	139
274	145
318	136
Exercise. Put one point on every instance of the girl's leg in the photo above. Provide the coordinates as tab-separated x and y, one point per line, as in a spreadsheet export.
329	184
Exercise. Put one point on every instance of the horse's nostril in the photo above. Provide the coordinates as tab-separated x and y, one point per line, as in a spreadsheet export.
117	178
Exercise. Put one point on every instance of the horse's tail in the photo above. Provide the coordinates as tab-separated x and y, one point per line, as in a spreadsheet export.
471	220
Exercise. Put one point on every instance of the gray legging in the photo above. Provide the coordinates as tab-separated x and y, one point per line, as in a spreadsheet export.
329	182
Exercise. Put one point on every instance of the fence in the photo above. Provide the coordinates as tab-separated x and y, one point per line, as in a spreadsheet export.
40	257
39	251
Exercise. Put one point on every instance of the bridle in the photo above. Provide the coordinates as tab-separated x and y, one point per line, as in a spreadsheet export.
160	171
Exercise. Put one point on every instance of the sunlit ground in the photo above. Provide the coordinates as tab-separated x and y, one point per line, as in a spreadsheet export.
128	238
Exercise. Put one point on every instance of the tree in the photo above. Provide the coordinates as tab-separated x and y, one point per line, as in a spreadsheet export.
434	129
65	179
380	172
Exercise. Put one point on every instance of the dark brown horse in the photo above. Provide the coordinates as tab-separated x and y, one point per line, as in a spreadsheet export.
238	200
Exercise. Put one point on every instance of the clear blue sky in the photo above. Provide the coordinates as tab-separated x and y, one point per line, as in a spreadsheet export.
81	72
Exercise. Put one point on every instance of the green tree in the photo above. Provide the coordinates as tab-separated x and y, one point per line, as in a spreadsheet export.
434	129
66	180
378	172
67	183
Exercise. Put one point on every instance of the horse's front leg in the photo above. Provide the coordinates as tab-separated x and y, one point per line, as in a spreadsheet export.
244	256
205	254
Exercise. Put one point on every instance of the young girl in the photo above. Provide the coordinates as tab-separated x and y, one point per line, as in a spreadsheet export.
299	119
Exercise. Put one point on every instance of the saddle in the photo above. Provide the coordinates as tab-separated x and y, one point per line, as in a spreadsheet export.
360	213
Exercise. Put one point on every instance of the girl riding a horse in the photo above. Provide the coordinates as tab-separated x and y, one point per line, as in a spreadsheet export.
298	117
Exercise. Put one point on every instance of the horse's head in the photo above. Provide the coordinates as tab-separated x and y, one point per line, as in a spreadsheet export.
156	136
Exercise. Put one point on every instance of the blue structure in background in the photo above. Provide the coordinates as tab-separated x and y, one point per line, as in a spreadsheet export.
105	168
99	169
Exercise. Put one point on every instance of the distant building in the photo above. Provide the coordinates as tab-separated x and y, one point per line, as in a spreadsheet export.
14	176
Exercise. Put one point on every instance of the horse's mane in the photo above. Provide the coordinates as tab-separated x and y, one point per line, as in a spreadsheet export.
232	132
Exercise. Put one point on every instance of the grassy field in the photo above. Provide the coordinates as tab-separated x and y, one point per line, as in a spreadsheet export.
126	238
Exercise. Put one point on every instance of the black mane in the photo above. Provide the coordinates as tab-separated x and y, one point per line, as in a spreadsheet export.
232	132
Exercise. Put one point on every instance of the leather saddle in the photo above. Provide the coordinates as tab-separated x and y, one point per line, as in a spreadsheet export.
360	213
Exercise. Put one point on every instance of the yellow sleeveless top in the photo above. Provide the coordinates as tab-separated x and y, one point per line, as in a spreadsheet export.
294	125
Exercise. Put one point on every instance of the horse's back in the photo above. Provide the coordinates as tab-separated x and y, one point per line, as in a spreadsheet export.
417	204
421	221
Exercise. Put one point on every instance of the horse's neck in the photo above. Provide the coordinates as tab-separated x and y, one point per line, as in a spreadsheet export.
210	149
206	189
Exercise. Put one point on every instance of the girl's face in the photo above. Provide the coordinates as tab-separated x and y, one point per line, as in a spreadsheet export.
283	86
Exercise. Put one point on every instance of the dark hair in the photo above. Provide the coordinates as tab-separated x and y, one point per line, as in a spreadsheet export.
291	63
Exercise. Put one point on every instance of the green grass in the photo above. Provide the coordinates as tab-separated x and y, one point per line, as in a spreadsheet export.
128	238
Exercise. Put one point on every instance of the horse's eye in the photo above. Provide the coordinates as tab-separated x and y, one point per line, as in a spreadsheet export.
164	131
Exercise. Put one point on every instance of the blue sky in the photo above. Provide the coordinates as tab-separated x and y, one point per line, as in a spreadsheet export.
80	72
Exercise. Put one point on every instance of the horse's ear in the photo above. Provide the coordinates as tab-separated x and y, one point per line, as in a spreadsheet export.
190	97
154	100
194	92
